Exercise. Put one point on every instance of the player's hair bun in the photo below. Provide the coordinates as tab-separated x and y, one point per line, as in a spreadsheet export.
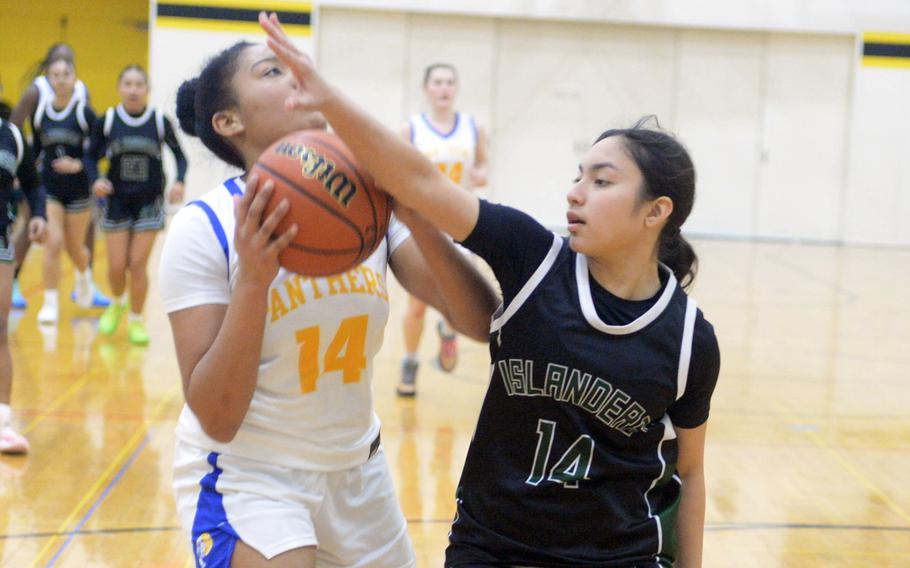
186	106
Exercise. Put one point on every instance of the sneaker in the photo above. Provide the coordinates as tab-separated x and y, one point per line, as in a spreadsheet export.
99	300
448	348
11	442
83	293
110	319
137	333
48	337
408	384
48	314
19	301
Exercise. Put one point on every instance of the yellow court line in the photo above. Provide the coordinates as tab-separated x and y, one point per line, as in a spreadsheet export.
829	551
118	461
267	5
851	469
889	62
865	481
226	26
57	403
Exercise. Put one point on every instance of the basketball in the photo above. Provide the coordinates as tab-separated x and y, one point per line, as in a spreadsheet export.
341	215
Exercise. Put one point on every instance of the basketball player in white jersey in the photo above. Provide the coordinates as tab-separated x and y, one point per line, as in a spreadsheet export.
278	460
456	143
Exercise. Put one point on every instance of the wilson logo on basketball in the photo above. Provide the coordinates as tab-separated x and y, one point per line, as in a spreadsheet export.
316	166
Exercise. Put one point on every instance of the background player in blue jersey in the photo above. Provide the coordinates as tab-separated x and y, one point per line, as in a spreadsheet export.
589	448
62	126
16	162
132	135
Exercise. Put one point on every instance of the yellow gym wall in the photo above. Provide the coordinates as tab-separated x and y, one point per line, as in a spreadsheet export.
106	35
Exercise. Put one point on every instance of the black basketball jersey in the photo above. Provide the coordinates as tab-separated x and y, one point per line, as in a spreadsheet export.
574	457
62	133
133	146
16	161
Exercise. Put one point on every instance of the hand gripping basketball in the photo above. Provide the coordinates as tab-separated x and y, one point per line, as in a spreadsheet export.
342	215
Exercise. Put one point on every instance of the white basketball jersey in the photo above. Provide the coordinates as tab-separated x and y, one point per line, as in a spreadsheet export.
46	91
453	151
313	404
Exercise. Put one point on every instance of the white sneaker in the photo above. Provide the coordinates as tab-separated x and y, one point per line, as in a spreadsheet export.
11	442
84	292
48	313
48	336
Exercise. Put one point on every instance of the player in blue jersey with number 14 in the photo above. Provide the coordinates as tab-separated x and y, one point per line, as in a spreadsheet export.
589	448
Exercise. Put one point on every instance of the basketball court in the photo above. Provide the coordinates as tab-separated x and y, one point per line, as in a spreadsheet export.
807	437
808	447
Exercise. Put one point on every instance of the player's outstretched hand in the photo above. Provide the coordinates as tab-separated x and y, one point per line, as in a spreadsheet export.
314	91
255	238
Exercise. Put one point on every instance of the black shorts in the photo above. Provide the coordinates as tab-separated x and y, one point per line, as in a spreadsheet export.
134	213
73	201
16	197
6	245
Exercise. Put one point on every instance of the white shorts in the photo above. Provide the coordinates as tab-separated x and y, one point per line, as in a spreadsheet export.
351	516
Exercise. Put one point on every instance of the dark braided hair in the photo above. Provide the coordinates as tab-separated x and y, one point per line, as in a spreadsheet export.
200	98
668	171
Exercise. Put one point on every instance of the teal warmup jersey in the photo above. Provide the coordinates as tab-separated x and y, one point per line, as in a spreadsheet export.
573	462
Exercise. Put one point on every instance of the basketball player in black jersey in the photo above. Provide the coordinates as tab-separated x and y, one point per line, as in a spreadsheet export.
16	162
39	91
61	128
132	135
589	448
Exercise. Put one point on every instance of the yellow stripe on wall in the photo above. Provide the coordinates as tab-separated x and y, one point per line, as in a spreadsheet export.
888	62
885	37
267	5
225	26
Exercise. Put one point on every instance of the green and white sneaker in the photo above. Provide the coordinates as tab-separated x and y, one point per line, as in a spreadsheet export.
110	319
137	333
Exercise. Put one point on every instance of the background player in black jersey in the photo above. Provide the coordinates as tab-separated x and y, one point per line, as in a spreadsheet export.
589	448
16	162
38	91
132	135
62	125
